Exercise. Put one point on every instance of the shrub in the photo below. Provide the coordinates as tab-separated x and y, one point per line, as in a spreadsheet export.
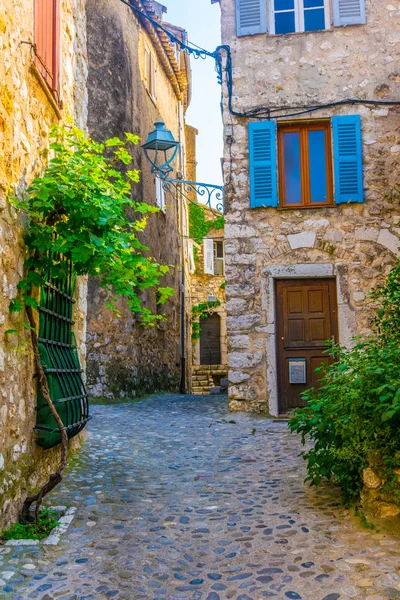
355	413
33	531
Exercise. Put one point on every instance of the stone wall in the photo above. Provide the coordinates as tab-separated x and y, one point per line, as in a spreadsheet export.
26	114
125	359
204	285
356	244
380	496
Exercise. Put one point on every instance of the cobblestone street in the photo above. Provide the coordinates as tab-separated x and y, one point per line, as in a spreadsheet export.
178	499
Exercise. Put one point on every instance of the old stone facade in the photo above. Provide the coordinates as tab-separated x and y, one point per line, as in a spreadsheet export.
137	77
209	343
208	367
272	247
27	110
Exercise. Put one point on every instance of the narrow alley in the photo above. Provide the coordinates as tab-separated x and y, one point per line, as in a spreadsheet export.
178	499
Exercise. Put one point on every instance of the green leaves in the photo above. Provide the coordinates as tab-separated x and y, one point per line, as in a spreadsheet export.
113	142
355	413
131	137
16	305
29	301
200	311
198	226
79	208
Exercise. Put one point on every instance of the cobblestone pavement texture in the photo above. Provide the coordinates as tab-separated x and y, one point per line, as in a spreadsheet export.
178	499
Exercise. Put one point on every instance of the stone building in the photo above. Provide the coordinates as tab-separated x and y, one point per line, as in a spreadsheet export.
137	77
207	285
312	147
209	339
42	79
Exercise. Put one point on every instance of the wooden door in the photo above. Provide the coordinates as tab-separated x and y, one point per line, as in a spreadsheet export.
210	340
306	319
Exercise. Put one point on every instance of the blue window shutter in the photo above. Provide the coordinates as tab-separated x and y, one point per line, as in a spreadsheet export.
347	159
251	17
263	164
348	12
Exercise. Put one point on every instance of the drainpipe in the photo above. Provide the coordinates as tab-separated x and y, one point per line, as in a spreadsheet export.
182	381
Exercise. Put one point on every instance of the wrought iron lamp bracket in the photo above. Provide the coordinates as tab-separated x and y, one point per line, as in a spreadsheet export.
207	194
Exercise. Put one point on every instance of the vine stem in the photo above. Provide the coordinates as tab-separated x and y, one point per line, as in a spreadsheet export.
54	478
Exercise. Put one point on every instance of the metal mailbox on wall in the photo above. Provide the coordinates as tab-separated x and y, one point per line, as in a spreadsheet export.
297	370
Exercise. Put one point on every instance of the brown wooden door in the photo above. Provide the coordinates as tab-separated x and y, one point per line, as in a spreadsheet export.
210	340
306	318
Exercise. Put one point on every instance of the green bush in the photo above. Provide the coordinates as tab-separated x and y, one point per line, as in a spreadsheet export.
354	416
33	531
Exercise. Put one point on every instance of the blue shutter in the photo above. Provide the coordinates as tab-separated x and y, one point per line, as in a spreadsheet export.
263	164
348	12
251	17
347	159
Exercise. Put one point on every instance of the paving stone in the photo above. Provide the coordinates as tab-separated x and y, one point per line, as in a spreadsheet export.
175	503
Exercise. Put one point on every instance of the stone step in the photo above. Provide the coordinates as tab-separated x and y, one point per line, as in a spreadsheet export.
202	375
215	390
208	372
201	389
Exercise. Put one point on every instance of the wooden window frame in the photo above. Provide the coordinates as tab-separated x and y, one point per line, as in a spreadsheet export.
299	17
150	73
49	75
303	129
219	260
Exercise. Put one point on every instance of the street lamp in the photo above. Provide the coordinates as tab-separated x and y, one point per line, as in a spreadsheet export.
161	149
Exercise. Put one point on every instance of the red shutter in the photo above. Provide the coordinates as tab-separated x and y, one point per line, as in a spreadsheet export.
47	41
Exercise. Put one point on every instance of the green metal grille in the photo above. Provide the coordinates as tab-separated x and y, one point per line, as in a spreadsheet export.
60	360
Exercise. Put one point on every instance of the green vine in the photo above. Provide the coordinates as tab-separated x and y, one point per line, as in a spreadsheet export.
199	227
196	330
200	311
79	209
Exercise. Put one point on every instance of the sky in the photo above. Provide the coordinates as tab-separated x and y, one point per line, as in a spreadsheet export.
201	19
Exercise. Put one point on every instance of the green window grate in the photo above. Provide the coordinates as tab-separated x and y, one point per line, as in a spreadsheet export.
59	356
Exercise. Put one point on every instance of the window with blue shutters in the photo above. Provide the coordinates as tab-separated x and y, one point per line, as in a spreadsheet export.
251	17
307	173
347	156
263	164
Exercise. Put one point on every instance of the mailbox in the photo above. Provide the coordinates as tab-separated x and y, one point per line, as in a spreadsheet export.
297	370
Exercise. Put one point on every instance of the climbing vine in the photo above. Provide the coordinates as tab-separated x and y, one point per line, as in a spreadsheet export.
199	227
200	311
79	209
